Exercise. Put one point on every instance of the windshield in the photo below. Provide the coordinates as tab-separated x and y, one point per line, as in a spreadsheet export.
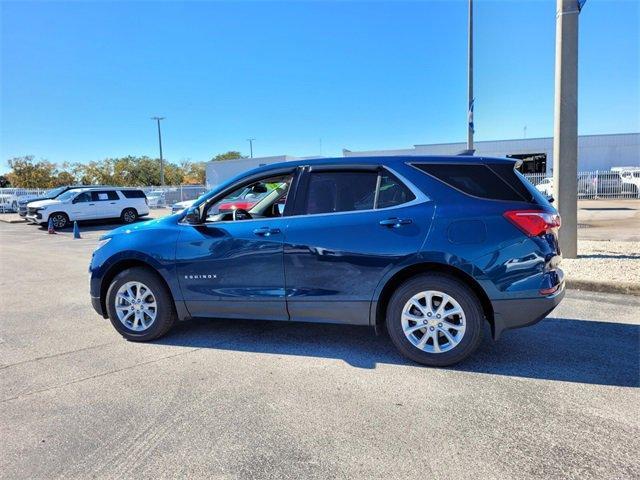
68	195
54	192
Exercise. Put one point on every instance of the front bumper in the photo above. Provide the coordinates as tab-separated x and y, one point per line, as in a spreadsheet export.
97	306
37	218
523	312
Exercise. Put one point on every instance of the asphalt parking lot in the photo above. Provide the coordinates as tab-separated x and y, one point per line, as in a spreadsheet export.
246	399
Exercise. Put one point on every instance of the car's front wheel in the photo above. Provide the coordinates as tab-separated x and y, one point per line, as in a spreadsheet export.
59	220
435	320
140	305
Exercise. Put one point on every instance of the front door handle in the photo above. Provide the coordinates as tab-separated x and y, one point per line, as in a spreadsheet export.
266	231
395	222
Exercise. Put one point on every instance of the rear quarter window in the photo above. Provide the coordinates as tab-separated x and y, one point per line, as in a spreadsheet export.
480	180
133	193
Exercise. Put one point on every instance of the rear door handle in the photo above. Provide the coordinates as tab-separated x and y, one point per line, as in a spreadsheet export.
395	222
266	231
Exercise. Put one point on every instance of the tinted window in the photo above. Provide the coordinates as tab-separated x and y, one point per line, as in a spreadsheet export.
133	193
103	196
479	181
330	192
83	197
392	192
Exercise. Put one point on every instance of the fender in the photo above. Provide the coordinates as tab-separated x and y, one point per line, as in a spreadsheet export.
166	268
430	259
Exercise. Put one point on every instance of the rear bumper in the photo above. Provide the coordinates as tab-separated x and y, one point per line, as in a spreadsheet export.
517	313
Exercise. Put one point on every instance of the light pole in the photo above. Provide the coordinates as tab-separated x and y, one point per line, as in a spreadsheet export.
565	125
250	140
470	82
157	119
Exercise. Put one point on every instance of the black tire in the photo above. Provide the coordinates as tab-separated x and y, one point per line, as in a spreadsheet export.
456	289
129	215
60	220
165	313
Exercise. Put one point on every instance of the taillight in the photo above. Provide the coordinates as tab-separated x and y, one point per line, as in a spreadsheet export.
533	222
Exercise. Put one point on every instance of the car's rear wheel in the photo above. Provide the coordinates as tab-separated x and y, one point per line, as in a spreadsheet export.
59	220
140	305
435	320
129	215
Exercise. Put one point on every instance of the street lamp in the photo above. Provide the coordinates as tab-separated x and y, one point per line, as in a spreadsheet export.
157	119
250	140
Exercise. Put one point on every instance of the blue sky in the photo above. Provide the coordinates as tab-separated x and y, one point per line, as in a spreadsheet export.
79	80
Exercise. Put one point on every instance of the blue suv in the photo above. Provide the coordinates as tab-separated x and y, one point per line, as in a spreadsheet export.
428	248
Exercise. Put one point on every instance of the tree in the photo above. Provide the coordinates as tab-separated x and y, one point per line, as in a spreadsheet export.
27	173
230	155
194	172
4	182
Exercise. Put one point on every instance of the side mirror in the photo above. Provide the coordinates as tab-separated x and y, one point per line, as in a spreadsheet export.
193	216
550	199
259	188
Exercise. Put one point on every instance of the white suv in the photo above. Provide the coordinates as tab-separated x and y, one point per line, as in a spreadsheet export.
89	204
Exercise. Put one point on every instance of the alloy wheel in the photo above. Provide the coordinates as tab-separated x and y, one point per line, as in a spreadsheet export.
59	221
136	306
433	321
129	216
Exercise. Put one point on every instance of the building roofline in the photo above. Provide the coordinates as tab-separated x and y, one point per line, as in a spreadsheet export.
521	139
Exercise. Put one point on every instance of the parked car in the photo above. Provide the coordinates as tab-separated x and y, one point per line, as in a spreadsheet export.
631	182
245	199
546	187
8	203
89	204
442	245
180	206
24	200
156	198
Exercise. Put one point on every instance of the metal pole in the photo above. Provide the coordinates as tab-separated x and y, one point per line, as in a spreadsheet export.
250	140
157	119
565	131
470	125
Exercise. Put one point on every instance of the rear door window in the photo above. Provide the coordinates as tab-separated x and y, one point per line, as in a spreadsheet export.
348	191
103	196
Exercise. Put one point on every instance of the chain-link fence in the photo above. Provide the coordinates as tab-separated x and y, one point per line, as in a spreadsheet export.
591	185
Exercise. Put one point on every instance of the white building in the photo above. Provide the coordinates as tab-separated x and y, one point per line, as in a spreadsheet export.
219	171
595	152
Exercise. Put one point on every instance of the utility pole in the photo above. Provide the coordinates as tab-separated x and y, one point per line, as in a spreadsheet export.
470	82
157	119
250	140
565	128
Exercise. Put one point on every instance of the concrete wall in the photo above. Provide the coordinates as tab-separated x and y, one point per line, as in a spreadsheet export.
595	152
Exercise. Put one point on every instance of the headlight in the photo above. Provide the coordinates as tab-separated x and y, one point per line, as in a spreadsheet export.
102	243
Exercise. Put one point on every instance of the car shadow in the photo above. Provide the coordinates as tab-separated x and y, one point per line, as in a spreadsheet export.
559	349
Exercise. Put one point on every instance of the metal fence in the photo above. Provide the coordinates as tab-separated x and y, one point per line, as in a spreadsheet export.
596	184
591	185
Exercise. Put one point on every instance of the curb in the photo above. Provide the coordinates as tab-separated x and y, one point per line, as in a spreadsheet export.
604	287
12	220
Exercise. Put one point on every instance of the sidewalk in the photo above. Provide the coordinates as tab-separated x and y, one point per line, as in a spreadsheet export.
604	266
